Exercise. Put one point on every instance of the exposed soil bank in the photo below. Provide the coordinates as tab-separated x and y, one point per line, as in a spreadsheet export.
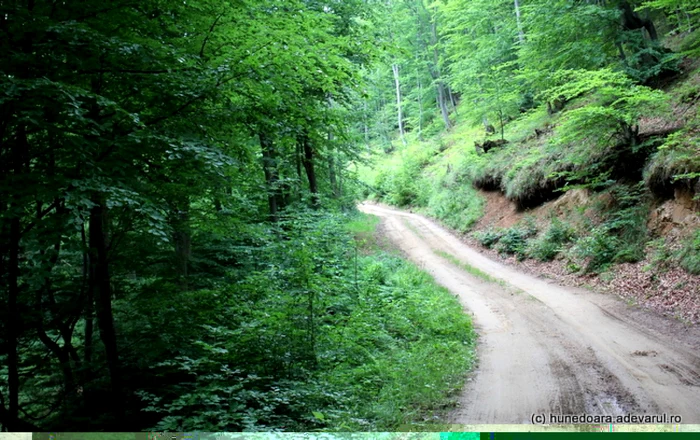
650	283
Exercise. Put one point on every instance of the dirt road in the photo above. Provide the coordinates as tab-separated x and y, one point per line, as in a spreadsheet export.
551	349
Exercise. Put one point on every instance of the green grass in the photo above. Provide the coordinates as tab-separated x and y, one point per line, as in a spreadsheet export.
469	268
403	350
689	255
481	274
363	227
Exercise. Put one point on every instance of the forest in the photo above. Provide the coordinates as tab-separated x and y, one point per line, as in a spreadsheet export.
179	243
577	120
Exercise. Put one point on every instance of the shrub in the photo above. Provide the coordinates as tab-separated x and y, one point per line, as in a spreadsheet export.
488	237
305	337
629	222
598	249
548	246
690	254
451	200
514	240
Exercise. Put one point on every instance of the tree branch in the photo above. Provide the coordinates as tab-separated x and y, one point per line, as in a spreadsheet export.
211	30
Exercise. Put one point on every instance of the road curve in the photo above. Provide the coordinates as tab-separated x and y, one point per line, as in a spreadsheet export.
548	349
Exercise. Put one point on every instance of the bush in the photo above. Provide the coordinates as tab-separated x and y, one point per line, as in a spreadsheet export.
488	237
548	246
598	249
398	187
628	221
451	200
514	240
690	254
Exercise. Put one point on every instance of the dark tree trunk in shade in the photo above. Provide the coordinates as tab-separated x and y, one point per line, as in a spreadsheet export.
102	292
632	21
89	300
308	162
271	175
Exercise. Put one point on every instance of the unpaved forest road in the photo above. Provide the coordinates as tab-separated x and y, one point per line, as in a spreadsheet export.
546	349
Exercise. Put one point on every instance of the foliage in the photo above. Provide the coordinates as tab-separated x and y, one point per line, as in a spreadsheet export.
486	30
172	178
598	249
622	237
513	241
447	194
683	15
156	161
311	341
609	121
489	237
398	187
690	254
363	228
548	245
676	163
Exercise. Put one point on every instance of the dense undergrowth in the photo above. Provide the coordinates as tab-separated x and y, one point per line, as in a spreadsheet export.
307	337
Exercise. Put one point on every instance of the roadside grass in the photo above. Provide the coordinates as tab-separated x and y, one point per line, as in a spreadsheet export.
689	254
363	229
404	348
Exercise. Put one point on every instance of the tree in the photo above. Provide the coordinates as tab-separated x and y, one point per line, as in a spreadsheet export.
126	128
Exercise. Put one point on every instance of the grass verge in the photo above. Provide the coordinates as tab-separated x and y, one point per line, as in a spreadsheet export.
403	350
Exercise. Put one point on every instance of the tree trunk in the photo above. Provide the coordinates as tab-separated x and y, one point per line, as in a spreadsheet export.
332	175
366	125
488	127
297	160
101	283
435	72
397	82
521	33
17	160
453	101
331	168
89	301
308	162
271	175
442	102
500	117
13	324
632	21
420	110
340	182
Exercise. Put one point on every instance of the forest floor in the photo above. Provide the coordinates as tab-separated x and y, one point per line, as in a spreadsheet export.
550	349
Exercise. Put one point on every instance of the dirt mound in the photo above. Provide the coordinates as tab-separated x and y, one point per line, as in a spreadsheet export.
673	217
499	212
